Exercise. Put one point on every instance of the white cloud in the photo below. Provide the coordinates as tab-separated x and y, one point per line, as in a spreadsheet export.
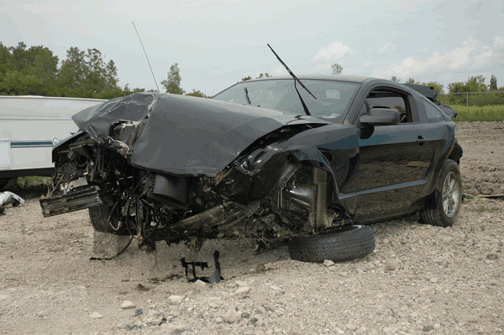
333	52
280	71
499	42
471	55
387	48
363	69
322	68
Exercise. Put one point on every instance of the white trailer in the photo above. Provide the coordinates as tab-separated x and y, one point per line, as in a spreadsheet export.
29	128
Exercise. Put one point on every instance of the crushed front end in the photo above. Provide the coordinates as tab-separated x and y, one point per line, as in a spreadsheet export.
265	191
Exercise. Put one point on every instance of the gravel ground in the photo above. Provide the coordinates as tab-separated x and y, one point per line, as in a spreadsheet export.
421	279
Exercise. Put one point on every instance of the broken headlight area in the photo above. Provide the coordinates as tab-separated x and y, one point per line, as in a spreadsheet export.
266	194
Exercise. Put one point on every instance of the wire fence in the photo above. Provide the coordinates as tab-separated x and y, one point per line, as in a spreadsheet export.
479	99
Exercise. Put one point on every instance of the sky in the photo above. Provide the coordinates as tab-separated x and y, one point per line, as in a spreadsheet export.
216	43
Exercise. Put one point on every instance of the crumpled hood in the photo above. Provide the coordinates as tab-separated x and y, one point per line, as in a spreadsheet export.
178	134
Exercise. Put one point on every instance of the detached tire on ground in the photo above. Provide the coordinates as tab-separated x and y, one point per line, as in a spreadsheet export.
444	206
349	243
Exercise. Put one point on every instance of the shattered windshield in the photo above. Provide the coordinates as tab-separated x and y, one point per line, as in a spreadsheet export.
333	97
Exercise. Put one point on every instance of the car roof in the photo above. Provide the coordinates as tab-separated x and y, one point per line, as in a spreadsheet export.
339	77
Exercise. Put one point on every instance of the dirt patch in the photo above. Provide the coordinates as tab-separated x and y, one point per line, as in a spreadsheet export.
420	279
482	164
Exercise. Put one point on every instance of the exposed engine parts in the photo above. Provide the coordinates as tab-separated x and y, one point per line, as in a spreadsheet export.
151	206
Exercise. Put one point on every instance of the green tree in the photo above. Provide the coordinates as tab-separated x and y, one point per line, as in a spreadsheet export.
394	78
24	59
476	84
17	83
456	87
5	54
87	72
172	85
246	78
45	67
493	83
35	70
437	86
410	81
473	84
195	93
72	74
336	68
100	77
262	76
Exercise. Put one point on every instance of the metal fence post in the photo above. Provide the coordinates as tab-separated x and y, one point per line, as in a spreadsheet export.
467	104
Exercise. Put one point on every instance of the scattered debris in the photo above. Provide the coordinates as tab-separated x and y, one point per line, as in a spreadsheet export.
214	278
140	287
9	198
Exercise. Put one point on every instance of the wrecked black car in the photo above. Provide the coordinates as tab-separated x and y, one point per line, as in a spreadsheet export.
263	160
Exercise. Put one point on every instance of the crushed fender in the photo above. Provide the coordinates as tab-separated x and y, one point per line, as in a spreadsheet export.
9	198
214	278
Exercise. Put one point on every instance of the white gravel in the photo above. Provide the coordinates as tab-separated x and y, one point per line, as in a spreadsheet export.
421	279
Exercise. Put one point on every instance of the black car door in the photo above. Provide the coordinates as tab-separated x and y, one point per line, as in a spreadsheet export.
391	173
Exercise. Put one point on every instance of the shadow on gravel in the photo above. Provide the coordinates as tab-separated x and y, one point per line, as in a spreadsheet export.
26	191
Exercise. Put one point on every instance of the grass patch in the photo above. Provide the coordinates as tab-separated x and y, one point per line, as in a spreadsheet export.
485	113
32	180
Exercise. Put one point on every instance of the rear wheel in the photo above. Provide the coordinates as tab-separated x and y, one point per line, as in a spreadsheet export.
349	243
444	206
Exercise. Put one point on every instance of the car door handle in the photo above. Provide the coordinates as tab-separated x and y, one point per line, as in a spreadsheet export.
421	141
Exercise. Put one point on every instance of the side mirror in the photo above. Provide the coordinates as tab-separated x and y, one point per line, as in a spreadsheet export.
380	116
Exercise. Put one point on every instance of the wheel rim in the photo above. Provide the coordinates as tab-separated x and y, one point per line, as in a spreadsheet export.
451	195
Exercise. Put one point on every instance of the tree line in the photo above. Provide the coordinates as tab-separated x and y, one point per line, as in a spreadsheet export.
85	74
473	84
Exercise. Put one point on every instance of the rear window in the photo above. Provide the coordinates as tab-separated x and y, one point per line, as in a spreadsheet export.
434	114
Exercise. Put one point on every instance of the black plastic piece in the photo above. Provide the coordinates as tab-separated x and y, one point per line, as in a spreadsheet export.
214	278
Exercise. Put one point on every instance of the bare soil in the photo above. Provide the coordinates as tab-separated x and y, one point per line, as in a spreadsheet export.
421	279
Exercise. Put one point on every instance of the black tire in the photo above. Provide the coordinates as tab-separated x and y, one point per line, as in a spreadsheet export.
435	212
349	243
99	219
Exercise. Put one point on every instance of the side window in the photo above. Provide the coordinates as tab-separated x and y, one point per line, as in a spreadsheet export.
433	113
386	98
365	108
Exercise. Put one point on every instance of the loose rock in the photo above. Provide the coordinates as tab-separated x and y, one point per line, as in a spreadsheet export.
127	305
175	299
391	265
241	283
200	284
232	316
154	318
328	262
242	290
96	315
